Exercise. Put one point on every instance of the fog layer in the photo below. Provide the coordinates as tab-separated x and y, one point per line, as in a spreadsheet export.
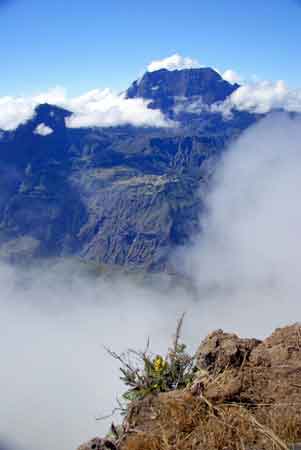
248	256
56	377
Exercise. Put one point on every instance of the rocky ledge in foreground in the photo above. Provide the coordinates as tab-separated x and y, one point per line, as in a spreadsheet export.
245	394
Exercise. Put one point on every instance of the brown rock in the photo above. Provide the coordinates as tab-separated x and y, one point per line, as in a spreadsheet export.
221	350
251	371
246	394
98	444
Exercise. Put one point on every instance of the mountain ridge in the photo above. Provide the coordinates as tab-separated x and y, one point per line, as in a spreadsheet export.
118	195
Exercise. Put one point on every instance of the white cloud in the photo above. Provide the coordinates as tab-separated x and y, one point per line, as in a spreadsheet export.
246	261
97	108
14	111
262	97
53	357
105	108
231	76
43	130
173	62
54	96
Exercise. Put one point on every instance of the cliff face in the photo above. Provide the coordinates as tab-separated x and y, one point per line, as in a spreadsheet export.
116	197
163	87
246	394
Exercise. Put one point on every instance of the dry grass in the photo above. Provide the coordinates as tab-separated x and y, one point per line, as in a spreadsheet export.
243	404
186	422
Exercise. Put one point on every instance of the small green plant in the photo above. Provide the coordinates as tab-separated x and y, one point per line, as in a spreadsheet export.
143	373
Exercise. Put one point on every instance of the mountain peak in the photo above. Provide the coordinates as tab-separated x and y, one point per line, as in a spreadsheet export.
50	115
46	111
164	86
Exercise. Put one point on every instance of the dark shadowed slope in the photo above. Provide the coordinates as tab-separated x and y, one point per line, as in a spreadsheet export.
121	195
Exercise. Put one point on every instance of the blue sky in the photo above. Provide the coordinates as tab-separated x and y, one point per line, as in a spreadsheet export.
95	43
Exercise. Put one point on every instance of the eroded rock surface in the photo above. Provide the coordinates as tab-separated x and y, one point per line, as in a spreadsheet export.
251	371
221	350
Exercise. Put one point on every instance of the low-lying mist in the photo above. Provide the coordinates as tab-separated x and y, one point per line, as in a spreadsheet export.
248	257
56	376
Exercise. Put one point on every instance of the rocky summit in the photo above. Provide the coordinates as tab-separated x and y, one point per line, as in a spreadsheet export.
118	195
164	87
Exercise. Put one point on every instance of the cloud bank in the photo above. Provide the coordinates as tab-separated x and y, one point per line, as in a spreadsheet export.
96	108
248	255
56	377
231	76
173	62
261	98
15	111
104	108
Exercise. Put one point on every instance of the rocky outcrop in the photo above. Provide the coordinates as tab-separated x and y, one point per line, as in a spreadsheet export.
246	395
254	372
98	444
221	350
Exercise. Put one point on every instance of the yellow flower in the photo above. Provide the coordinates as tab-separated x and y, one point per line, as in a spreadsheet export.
159	364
